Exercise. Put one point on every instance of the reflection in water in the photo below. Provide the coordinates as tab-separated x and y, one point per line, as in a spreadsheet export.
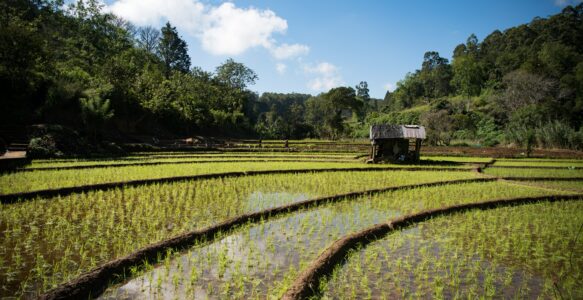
505	253
262	200
256	261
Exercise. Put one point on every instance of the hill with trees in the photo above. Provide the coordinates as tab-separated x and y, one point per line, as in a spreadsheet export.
101	76
522	86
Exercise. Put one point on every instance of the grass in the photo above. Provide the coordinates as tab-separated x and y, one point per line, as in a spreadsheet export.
532	251
261	260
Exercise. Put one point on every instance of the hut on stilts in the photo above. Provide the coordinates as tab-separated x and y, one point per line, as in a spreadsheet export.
396	143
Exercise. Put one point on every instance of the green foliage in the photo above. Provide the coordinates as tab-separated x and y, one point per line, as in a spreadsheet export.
408	116
467	76
50	141
235	75
488	132
435	75
95	111
554	134
173	50
521	80
438	124
51	54
557	134
282	116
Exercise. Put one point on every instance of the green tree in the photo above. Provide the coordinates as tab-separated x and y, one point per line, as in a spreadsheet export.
435	75
148	38
235	75
362	91
344	98
467	75
95	111
407	93
173	50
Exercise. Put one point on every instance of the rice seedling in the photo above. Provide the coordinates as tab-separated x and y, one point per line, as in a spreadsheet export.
559	163
179	158
530	251
576	186
76	233
274	252
50	179
518	172
531	159
461	159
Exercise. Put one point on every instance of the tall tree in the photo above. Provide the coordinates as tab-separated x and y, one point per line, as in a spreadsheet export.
235	75
363	96
467	75
362	91
173	50
435	75
148	38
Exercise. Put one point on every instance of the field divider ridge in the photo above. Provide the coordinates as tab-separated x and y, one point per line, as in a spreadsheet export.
64	191
481	166
94	282
537	167
179	162
541	178
308	281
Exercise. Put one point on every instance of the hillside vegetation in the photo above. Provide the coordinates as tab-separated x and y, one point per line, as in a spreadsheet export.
91	71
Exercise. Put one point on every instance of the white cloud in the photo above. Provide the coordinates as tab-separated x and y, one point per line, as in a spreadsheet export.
324	83
280	68
222	30
286	51
324	68
231	30
186	14
389	87
327	76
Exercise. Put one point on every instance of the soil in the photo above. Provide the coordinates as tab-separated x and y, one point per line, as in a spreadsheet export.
499	152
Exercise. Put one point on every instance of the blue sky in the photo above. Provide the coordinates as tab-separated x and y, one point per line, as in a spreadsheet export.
311	46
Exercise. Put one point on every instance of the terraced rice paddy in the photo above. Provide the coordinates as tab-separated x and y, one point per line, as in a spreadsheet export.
50	179
528	252
49	241
520	172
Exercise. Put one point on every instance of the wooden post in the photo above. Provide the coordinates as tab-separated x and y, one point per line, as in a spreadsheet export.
417	149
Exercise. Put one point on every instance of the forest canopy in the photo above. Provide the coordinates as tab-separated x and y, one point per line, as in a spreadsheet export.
91	71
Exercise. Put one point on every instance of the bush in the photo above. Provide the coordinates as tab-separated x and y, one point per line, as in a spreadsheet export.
409	116
555	134
53	141
43	147
488	132
558	134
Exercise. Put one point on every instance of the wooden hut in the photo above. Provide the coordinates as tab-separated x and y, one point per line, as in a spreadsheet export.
396	143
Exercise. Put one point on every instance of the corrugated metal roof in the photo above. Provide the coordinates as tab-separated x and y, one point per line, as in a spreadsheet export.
385	131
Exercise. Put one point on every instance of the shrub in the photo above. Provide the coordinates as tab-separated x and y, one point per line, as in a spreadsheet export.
558	134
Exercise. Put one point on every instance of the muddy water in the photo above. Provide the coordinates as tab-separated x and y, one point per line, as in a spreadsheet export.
254	262
415	268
